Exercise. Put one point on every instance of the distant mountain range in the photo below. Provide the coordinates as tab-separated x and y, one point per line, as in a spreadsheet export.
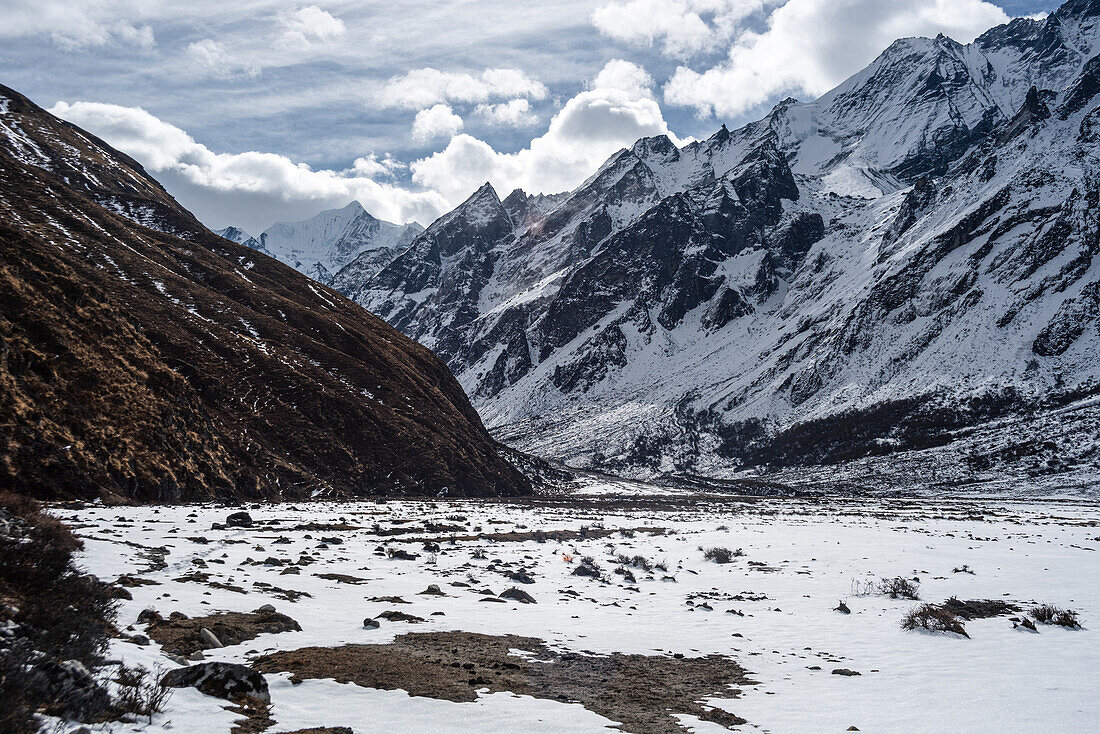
144	358
324	244
882	270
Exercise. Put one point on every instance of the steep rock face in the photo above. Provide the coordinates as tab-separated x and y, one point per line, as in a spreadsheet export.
532	273
142	357
438	280
911	254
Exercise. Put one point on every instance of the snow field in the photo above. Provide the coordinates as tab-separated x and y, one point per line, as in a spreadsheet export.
800	558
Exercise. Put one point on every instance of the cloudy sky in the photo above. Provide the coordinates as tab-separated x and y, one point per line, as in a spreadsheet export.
252	111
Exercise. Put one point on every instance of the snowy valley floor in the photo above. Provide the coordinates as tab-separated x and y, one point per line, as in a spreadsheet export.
757	637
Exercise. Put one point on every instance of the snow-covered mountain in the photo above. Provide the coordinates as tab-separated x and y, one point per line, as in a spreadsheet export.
235	234
325	243
874	271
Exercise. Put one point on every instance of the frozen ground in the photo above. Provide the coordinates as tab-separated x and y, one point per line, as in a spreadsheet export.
801	557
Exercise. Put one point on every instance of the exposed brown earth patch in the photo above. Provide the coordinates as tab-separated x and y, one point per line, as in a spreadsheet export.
395	616
291	595
256	713
640	691
517	536
979	608
340	578
184	636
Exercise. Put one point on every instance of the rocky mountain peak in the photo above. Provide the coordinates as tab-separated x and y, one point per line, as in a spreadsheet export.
481	209
323	244
829	276
515	198
234	234
485	195
659	149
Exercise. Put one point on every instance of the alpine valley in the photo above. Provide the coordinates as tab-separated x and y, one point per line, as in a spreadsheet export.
899	277
793	428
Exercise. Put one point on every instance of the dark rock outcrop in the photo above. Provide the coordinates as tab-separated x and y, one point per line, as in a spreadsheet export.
221	680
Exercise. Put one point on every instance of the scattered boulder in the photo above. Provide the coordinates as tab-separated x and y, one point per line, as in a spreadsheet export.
239	520
371	623
845	671
221	680
149	616
520	577
389	600
340	578
395	616
433	590
209	639
139	640
518	595
266	609
131	582
842	608
185	636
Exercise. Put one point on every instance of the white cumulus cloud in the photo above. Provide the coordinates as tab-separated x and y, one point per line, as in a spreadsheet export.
371	166
438	121
265	182
626	77
587	130
421	88
513	113
311	24
682	28
810	46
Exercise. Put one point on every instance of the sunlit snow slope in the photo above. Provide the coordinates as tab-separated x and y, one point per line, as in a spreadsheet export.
906	257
